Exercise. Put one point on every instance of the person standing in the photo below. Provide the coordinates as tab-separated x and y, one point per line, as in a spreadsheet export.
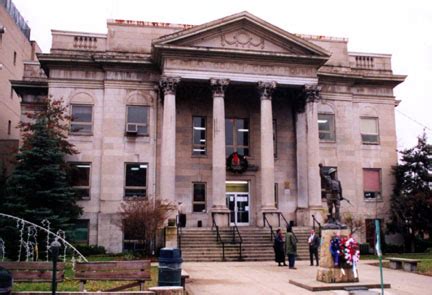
290	247
314	243
181	215
278	247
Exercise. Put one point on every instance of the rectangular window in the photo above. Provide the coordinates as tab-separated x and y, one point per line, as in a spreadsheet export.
9	127
82	119
14	58
132	241
80	179
136	180
79	233
199	145
276	195
369	130
237	136
372	183
199	197
326	126
137	120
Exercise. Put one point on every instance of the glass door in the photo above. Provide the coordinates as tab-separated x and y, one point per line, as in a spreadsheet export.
237	198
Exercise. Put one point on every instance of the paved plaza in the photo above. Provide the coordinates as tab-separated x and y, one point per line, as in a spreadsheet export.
244	278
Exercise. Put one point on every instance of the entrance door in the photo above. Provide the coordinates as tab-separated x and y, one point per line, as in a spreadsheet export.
237	198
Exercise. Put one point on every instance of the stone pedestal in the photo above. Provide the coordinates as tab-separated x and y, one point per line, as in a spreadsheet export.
171	237
327	272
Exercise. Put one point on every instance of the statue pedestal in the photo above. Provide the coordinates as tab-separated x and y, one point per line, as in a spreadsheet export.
327	272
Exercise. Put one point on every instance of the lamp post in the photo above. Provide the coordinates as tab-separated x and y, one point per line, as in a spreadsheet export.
55	249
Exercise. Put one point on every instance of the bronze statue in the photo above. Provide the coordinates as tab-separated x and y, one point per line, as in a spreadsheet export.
333	193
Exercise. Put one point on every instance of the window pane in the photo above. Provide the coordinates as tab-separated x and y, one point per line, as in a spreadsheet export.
136	174
80	174
80	232
369	126
129	193
371	180
326	126
199	136
142	130
82	114
81	128
199	192
242	132
199	207
229	127
137	114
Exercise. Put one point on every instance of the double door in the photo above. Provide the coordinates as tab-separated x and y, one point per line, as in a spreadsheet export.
238	204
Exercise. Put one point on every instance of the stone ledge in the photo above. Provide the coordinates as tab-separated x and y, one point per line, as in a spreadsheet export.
316	286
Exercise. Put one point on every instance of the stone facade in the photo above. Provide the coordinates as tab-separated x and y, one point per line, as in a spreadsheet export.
237	67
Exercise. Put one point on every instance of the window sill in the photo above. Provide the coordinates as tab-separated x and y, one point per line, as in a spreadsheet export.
80	134
327	141
374	200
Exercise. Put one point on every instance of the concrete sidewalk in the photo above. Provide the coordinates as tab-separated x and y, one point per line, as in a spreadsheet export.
244	278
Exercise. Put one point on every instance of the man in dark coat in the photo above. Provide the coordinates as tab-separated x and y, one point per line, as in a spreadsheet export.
314	243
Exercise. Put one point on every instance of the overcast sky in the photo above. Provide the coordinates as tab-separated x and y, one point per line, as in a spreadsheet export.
401	28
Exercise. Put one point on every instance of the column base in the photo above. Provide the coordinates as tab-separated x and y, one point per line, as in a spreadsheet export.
328	272
304	215
271	214
221	216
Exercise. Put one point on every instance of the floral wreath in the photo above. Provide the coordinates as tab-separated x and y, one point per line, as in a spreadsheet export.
345	251
237	163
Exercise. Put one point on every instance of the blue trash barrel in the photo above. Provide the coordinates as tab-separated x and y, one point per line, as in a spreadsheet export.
170	267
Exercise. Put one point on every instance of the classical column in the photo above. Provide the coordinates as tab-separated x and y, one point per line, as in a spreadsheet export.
267	150
219	207
307	135
314	180
167	173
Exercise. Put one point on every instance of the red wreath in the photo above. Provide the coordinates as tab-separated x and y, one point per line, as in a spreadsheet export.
237	163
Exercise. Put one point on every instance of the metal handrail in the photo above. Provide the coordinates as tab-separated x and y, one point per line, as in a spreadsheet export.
316	221
234	230
218	237
179	234
265	220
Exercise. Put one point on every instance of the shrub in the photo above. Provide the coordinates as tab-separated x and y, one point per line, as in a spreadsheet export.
89	250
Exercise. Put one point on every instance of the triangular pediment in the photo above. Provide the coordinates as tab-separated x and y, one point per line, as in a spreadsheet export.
241	32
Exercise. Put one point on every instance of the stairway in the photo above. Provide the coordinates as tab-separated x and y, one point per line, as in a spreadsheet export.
199	244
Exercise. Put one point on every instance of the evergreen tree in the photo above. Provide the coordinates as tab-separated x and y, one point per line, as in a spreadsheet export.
411	203
39	187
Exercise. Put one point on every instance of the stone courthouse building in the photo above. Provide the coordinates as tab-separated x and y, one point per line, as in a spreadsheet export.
231	118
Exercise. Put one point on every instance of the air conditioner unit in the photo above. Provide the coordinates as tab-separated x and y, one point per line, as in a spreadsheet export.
132	128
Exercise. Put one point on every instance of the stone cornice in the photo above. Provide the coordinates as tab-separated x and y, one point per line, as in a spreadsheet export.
390	80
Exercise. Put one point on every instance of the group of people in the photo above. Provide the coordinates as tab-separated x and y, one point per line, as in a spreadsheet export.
288	246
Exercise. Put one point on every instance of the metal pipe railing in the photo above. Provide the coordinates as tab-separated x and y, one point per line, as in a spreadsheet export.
218	237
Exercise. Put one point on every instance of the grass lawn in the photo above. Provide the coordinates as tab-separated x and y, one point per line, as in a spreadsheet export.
69	284
423	267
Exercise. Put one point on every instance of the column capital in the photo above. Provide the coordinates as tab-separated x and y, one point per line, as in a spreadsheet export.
310	93
169	84
266	89
218	86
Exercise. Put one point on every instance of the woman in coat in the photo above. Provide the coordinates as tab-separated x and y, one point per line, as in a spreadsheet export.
278	247
290	247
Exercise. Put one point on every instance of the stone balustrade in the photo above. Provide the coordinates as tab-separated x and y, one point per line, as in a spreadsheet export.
381	62
63	40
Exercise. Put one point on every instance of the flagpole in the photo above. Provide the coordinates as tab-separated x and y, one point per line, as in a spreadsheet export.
378	251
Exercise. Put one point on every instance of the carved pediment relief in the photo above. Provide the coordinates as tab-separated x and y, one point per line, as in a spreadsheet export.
243	32
244	39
